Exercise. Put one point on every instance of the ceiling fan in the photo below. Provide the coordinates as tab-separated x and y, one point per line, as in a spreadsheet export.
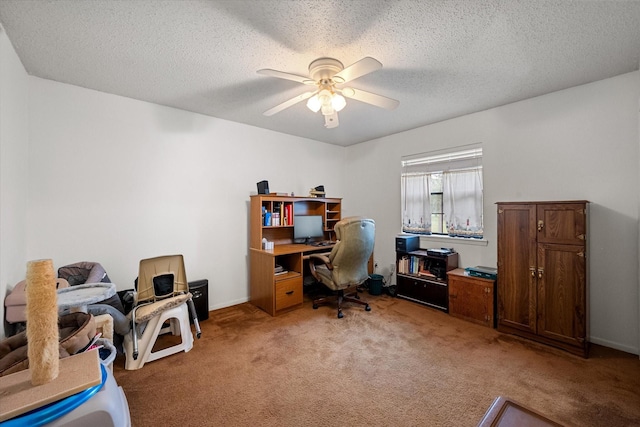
328	75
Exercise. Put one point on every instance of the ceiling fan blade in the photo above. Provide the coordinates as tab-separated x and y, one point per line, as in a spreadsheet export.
364	66
289	103
287	76
370	98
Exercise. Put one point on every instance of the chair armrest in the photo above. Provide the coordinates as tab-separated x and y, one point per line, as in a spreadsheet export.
315	259
322	258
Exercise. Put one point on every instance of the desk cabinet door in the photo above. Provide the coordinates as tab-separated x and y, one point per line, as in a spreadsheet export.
288	293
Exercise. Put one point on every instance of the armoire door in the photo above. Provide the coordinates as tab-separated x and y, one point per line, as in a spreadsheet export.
561	293
517	269
562	223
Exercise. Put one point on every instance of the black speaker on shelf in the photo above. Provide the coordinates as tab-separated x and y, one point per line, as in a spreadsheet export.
407	243
263	187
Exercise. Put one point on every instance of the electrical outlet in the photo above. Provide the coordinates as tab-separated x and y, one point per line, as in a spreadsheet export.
375	264
392	268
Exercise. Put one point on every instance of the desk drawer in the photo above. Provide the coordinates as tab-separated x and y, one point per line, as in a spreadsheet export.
288	293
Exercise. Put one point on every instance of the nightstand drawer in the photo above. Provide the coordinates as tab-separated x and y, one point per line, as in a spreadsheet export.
288	293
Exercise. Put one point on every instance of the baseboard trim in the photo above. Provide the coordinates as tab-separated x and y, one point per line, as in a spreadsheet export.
614	345
228	304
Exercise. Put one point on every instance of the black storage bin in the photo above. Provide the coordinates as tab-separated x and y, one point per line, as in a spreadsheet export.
200	291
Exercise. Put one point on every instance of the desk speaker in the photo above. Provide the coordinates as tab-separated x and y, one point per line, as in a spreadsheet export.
263	187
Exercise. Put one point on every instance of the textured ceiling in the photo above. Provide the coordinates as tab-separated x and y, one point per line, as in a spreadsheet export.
441	59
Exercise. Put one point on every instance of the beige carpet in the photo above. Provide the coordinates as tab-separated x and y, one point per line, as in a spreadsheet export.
402	364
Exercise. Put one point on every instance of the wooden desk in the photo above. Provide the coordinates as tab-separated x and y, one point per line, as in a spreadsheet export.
278	293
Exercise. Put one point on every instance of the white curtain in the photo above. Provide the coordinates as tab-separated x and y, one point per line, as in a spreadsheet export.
457	175
462	206
416	210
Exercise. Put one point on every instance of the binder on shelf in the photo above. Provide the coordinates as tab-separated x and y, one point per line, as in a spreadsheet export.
484	272
288	214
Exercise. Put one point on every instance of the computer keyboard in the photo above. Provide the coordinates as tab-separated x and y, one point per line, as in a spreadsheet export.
324	243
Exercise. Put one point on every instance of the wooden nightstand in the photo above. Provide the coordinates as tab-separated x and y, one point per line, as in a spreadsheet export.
472	298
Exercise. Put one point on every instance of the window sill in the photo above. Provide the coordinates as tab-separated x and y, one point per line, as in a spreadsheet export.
453	240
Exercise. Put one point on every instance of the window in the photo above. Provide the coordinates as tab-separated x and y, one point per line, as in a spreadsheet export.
442	193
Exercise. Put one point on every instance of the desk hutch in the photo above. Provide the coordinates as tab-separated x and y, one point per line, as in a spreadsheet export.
277	293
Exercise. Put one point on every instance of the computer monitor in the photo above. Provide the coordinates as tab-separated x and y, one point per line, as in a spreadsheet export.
307	227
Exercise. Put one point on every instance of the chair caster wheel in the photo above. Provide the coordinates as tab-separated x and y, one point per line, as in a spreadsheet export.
367	308
357	296
340	315
315	306
198	334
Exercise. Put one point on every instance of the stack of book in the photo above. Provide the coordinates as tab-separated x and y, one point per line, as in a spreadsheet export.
279	270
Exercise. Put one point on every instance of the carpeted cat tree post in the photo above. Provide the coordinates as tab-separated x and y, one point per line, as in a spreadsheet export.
42	321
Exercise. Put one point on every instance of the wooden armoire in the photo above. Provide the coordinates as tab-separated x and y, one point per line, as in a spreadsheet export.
542	272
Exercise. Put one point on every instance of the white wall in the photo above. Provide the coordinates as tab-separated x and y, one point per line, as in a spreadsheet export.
115	180
13	168
579	143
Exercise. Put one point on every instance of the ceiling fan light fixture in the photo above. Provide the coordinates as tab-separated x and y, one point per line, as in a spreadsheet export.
338	102
327	110
314	104
325	97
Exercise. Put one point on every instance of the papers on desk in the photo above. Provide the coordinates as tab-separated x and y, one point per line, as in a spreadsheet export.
279	270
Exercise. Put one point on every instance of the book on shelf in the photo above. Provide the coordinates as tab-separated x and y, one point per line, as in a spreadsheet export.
410	264
281	214
288	214
403	264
